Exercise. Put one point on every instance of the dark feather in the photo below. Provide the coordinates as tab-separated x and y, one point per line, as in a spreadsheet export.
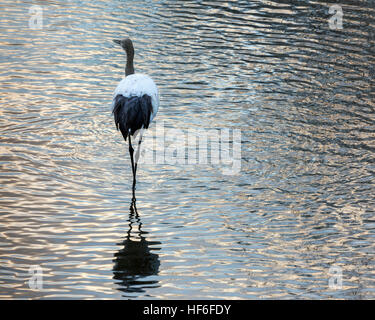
132	113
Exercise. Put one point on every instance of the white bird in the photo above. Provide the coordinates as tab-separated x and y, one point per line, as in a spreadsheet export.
135	104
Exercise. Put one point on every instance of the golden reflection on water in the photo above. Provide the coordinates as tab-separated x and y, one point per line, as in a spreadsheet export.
302	96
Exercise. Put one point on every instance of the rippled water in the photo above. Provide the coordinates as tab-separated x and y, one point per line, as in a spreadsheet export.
303	203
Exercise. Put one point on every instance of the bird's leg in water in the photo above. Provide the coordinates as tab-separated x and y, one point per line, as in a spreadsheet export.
131	151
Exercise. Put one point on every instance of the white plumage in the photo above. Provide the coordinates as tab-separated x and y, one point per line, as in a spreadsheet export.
138	85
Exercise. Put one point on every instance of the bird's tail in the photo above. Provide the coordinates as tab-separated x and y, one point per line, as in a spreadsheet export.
132	113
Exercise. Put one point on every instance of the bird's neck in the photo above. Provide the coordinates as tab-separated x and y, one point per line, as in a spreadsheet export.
129	69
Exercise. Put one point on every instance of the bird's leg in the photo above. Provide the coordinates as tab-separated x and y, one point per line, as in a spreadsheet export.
131	151
138	150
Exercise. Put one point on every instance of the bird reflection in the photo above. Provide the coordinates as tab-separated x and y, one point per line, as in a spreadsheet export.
136	261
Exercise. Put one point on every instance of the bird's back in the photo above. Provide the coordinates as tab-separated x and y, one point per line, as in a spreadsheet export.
138	85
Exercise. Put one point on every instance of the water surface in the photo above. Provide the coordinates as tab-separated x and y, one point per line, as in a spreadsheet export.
302	95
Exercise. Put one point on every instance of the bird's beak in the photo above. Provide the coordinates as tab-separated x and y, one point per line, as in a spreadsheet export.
117	41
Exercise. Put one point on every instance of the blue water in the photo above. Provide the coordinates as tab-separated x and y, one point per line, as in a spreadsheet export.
297	217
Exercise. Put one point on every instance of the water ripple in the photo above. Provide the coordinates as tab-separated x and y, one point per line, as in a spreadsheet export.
302	95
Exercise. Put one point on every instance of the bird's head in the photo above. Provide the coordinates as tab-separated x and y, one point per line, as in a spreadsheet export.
126	44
